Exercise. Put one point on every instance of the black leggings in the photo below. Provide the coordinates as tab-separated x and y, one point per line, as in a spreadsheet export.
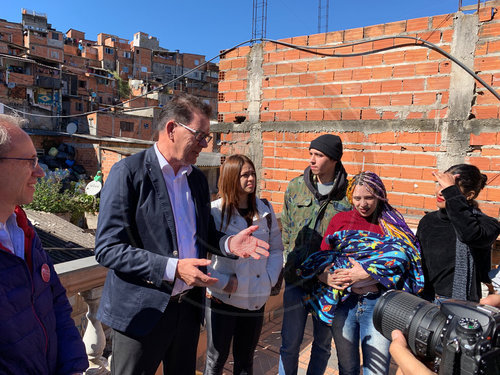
225	323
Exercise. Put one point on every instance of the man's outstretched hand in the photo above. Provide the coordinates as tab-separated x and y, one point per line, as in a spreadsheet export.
245	245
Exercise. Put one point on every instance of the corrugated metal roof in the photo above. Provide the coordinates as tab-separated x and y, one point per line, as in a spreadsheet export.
61	239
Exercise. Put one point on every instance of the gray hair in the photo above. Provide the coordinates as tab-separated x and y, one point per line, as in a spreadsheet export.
4	133
181	108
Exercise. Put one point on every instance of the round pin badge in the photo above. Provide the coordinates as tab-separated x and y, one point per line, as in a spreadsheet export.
45	272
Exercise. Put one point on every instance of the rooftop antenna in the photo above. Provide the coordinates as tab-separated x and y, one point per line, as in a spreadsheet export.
323	11
259	19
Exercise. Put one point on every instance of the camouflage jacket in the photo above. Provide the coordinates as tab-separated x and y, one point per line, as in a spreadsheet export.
302	231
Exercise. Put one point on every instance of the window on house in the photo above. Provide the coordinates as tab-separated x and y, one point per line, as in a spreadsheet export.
125	69
137	52
54	54
126	55
55	36
79	107
196	62
126	126
109	51
82	84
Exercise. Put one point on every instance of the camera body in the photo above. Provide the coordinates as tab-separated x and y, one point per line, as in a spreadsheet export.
460	337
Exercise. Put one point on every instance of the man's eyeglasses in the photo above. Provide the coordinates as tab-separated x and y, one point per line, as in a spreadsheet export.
34	161
199	136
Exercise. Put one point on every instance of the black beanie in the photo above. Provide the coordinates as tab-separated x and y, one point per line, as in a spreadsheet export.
328	144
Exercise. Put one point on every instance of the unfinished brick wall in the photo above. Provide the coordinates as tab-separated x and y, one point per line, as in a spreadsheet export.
401	113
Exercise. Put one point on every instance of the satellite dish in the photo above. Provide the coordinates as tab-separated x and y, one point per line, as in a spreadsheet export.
93	188
71	128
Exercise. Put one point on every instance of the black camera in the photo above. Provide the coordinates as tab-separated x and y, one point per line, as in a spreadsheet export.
460	337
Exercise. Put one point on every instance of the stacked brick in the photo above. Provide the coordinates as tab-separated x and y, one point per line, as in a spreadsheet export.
390	108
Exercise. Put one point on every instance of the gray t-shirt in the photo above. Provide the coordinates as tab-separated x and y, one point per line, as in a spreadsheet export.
324	189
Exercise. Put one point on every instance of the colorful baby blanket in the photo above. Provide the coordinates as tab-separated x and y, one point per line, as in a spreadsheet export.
393	262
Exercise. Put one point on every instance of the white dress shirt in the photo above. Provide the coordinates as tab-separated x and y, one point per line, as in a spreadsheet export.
184	217
12	237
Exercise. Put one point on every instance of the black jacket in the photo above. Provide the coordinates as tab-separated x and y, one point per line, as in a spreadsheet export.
437	233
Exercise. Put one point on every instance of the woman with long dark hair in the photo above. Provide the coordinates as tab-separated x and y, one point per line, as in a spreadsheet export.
236	305
365	251
456	239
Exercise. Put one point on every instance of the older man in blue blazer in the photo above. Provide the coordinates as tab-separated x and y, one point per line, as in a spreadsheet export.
153	234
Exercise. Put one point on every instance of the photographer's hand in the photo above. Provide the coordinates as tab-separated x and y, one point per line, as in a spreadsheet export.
492	300
407	362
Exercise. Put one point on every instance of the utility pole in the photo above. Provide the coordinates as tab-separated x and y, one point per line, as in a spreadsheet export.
323	11
259	19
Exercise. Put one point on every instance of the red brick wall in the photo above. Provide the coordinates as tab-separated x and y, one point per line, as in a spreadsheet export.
404	160
487	63
406	83
304	95
108	125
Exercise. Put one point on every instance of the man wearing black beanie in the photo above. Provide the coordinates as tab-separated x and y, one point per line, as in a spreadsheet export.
311	200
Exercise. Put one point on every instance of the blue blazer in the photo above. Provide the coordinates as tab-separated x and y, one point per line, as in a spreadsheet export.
135	237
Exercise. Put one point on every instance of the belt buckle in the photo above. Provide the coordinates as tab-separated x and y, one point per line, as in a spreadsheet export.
179	297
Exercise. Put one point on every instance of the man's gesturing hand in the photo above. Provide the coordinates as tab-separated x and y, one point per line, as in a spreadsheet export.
245	245
187	270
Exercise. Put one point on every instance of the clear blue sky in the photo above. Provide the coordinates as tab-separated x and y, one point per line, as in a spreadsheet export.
206	27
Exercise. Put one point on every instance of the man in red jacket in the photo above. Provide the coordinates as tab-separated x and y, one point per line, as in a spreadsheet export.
38	335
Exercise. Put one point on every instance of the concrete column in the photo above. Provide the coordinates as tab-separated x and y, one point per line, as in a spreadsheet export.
254	88
94	338
254	95
455	133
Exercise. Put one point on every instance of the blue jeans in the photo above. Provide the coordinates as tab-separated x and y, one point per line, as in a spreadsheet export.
292	333
353	323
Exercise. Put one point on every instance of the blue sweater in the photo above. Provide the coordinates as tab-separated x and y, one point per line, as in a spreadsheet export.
37	334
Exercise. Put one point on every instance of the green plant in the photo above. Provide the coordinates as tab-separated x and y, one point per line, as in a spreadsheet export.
51	197
123	87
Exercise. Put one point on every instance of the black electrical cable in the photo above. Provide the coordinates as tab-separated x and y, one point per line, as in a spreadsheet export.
418	42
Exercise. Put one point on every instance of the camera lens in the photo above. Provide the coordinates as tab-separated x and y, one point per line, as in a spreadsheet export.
420	321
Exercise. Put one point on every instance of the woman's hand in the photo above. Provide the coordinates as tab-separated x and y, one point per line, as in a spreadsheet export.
341	278
354	274
331	279
445	179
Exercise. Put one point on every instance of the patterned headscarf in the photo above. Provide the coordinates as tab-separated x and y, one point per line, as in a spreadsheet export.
391	221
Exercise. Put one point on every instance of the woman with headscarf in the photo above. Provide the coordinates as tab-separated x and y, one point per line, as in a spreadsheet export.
365	251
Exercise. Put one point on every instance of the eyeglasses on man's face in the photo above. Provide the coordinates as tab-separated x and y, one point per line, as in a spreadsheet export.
199	136
33	164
